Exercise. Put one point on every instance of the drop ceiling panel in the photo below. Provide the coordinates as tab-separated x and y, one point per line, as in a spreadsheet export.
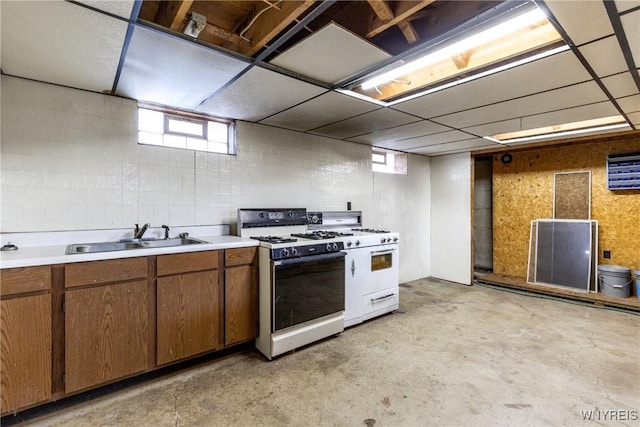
620	85
631	25
411	130
495	128
259	93
555	71
171	71
330	55
572	96
323	110
593	21
466	145
120	8
553	138
424	141
605	56
585	112
629	104
635	119
622	5
383	118
47	41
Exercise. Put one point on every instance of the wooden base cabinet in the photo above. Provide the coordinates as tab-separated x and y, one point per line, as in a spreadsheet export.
240	296
188	305
25	337
26	351
106	326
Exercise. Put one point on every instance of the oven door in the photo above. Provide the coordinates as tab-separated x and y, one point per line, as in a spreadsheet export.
306	288
383	268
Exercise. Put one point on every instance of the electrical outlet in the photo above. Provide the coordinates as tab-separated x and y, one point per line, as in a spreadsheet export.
606	254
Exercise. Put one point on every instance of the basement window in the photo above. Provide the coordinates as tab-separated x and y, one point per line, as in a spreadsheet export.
180	129
387	161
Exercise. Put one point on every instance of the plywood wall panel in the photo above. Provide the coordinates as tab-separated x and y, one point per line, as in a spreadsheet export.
523	191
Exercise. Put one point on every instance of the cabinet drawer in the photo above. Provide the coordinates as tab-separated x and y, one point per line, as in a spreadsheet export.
95	272
381	302
240	256
184	263
25	279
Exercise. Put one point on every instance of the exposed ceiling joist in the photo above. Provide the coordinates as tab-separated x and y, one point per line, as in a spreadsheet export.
385	13
404	9
171	14
272	22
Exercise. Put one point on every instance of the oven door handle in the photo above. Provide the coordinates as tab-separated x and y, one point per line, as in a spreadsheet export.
383	252
310	258
381	298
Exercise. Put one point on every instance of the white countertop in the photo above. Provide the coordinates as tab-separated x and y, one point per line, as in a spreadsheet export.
27	256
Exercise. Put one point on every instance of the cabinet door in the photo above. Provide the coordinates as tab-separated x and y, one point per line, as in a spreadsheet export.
106	333
188	315
240	304
26	351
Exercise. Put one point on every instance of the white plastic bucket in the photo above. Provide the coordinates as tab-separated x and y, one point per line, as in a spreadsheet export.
615	280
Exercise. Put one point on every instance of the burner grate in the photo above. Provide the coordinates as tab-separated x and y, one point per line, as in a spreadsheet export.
321	235
274	239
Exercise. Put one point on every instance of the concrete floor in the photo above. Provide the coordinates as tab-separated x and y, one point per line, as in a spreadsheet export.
452	355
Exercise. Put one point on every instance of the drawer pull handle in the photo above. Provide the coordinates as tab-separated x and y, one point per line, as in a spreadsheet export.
381	298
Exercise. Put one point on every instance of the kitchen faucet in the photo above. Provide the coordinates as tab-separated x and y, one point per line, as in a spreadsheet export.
139	232
166	231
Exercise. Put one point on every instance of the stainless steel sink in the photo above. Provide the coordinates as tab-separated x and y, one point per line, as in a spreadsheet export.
124	245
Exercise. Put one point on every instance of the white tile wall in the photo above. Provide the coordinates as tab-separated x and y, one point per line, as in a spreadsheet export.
70	161
451	218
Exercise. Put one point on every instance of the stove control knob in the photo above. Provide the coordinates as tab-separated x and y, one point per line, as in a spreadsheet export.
328	247
294	251
395	239
349	243
382	240
357	242
285	252
335	246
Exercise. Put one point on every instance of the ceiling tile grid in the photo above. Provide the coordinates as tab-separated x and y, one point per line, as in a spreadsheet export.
257	94
631	25
552	72
571	96
427	140
171	71
330	55
121	8
593	22
382	118
569	115
325	109
411	130
605	56
623	5
629	104
620	85
456	147
62	43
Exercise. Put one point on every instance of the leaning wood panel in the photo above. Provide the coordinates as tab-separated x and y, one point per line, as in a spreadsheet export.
26	352
183	263
523	191
240	256
187	315
25	279
572	195
106	333
240	305
107	271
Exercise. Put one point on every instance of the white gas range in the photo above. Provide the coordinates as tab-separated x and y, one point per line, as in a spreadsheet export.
301	280
372	272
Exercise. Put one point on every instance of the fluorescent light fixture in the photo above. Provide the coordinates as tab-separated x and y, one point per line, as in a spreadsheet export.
493	33
562	130
526	37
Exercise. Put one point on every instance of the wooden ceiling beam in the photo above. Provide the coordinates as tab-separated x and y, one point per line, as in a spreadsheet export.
403	10
171	14
272	22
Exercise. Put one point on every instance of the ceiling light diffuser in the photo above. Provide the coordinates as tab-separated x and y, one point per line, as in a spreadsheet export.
561	130
522	38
